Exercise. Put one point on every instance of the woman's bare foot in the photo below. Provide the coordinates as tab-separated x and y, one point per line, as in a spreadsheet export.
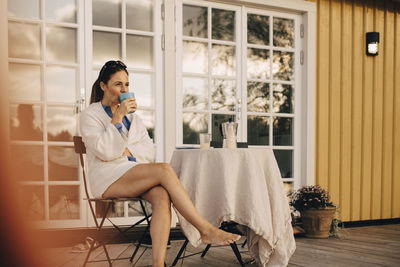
216	236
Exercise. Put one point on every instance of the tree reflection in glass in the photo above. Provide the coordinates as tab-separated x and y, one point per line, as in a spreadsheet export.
282	66
194	21
223	95
33	198
223	25
216	120
283	131
257	97
195	57
26	122
64	202
258	130
61	123
284	32
63	164
258	63
257	29
223	60
27	163
283	101
284	158
193	124
195	93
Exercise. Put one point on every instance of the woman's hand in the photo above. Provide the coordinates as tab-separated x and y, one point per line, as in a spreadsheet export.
128	105
124	108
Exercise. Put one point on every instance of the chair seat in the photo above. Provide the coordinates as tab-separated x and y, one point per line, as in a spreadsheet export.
120	199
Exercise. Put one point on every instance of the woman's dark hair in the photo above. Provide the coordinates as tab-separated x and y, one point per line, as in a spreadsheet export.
109	68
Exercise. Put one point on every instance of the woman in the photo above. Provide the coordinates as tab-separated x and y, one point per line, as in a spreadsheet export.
120	153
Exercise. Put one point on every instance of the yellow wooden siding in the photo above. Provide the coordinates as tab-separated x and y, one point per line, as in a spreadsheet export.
358	108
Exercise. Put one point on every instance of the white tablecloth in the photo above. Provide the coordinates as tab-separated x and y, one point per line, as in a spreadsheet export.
241	185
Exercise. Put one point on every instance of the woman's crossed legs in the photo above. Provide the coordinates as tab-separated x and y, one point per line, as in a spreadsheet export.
158	183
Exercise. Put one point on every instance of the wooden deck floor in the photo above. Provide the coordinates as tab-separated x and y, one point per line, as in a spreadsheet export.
362	246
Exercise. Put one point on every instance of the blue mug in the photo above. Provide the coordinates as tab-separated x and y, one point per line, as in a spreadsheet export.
126	95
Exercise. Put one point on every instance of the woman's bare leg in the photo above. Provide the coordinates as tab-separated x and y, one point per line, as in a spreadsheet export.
142	177
160	222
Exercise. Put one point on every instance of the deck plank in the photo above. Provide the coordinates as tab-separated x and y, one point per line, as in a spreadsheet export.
362	246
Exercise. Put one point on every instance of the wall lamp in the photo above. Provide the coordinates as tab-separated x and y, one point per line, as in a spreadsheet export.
372	43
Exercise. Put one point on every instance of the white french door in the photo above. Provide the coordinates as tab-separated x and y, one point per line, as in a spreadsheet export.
241	64
56	49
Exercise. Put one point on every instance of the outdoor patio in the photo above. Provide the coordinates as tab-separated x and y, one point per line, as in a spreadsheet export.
360	246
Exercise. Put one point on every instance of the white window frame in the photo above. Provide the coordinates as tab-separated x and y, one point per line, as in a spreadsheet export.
306	111
45	144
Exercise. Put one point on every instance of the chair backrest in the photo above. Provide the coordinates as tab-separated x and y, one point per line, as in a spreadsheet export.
218	144
81	149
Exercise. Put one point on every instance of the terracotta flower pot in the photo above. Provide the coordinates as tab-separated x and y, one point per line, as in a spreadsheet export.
317	222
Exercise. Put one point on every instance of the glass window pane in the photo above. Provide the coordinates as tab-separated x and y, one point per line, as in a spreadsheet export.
258	63
139	51
284	32
283	131
223	95
258	130
194	21
61	44
284	159
216	120
106	46
147	118
195	93
24	82
283	98
223	25
63	164
257	97
27	163
134	208
257	29
289	188
61	123
26	122
24	40
139	15
195	57
116	209
223	60
283	66
64	202
61	84
193	124
142	85
107	13
61	10
29	9
33	198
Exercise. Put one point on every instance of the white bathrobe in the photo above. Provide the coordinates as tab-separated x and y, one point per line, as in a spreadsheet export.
105	146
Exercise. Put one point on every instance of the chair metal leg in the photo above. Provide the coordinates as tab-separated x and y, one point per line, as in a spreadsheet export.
244	243
205	250
237	253
180	253
88	254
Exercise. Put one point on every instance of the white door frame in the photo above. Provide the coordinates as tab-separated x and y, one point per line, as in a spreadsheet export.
308	12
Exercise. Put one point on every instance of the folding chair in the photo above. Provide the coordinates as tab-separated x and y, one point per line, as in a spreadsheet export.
81	149
226	226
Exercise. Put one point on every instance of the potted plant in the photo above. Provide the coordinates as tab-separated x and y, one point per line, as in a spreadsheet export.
316	210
